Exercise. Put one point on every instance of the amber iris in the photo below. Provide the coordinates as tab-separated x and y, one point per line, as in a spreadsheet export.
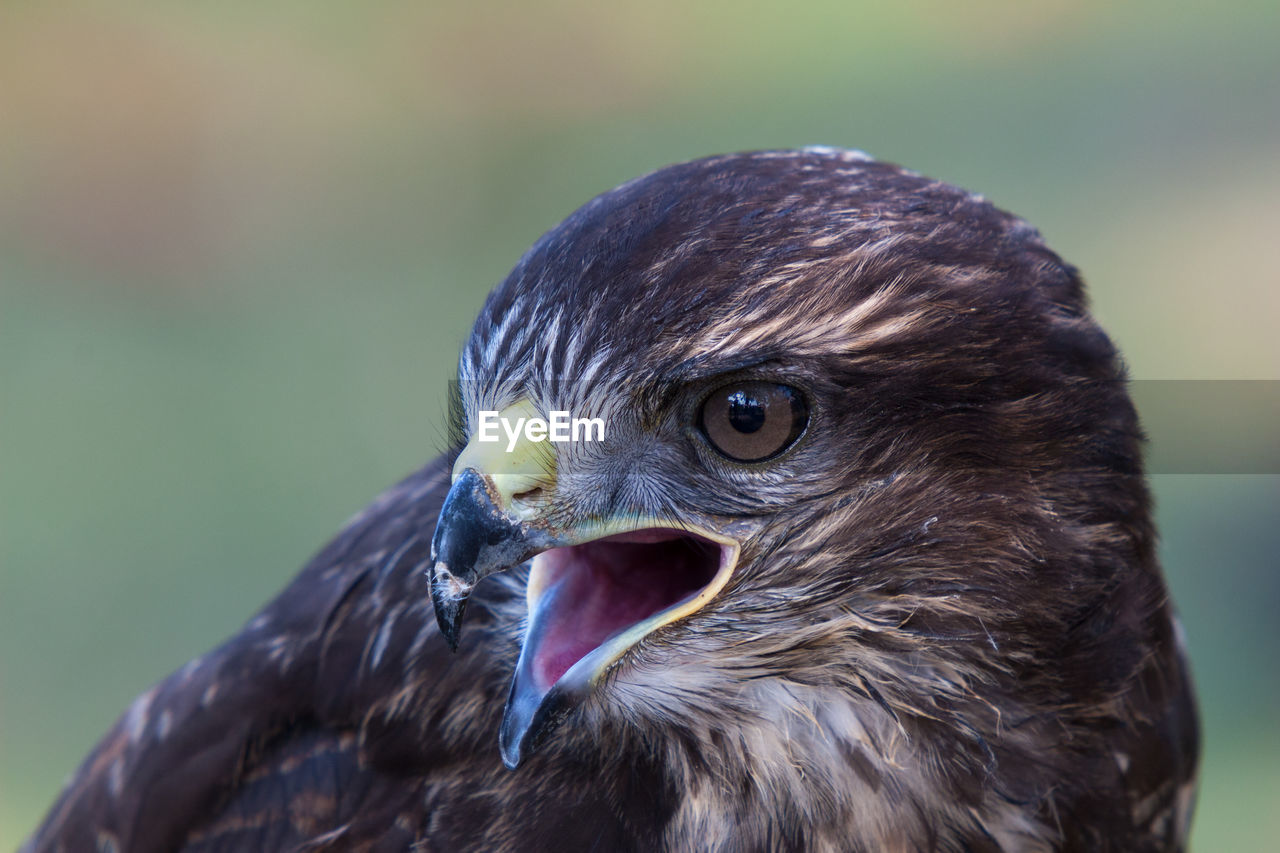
753	421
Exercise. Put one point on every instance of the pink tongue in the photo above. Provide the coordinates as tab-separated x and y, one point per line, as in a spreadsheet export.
601	588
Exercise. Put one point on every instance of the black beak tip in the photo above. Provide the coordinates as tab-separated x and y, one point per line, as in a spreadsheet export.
511	757
529	719
449	612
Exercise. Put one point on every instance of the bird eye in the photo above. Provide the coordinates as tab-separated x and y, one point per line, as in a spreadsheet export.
753	421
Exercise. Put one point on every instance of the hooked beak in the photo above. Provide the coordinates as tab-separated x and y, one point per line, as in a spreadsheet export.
595	587
473	539
484	526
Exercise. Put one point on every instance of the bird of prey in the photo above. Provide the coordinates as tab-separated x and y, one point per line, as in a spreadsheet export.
863	561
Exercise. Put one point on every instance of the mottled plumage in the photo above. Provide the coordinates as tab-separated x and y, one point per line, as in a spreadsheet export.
945	628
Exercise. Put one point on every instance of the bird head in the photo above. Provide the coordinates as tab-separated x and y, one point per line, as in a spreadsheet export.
858	434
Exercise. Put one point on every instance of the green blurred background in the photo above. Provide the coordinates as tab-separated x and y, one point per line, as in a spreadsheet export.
241	243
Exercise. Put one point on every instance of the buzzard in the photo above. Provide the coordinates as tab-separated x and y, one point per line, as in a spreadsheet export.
863	561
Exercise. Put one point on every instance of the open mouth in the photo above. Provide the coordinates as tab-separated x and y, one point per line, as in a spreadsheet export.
588	603
610	583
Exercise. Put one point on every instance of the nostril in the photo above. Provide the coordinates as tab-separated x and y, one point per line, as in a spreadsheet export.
529	496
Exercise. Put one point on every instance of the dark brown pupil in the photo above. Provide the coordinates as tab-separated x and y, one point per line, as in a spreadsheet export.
746	414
